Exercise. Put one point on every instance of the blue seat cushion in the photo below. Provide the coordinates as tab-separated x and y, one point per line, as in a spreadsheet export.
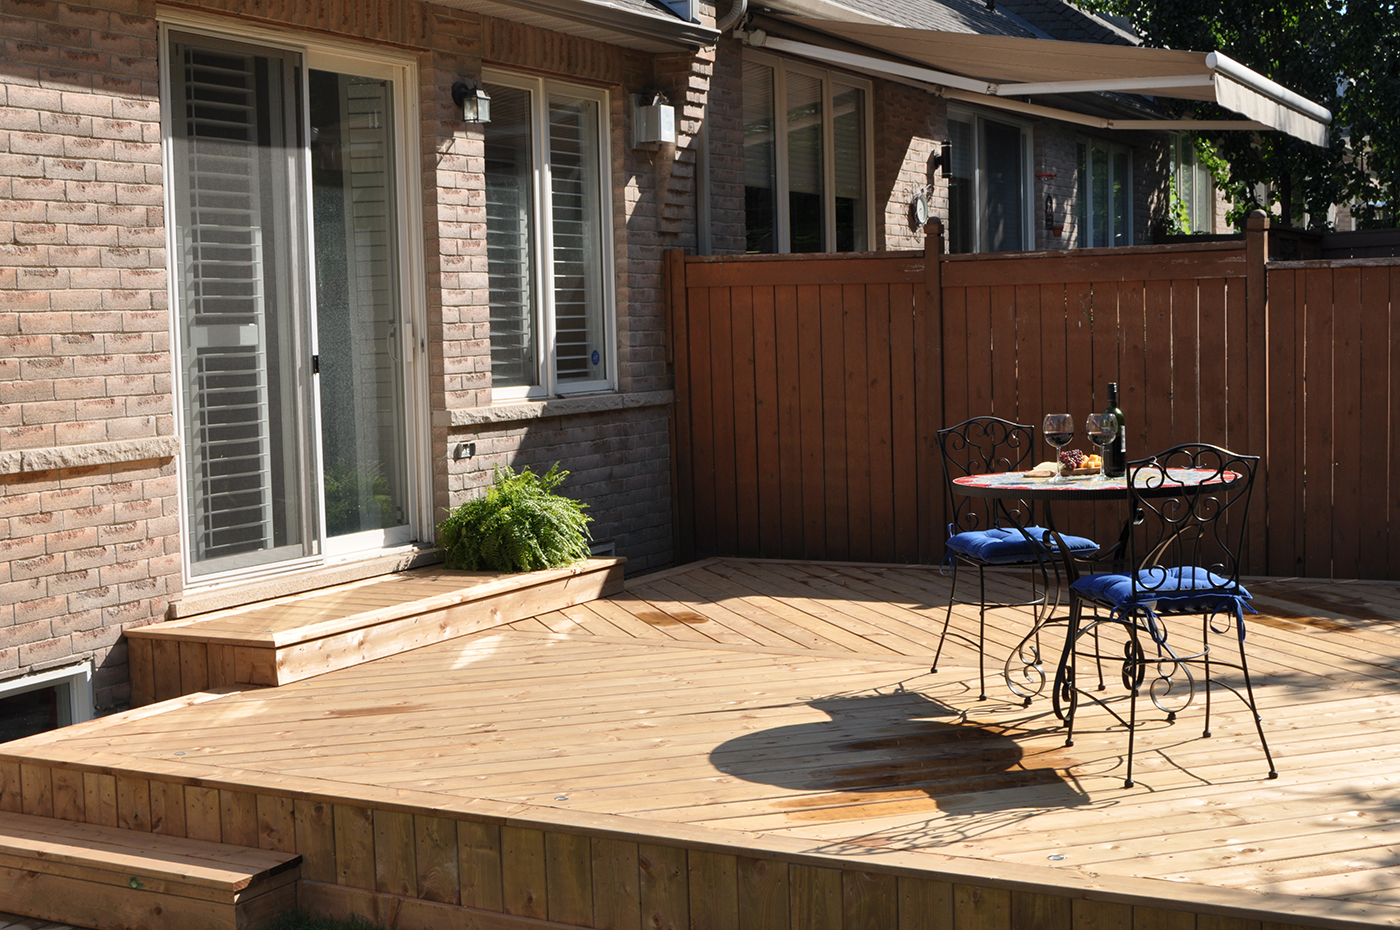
1186	590
1002	546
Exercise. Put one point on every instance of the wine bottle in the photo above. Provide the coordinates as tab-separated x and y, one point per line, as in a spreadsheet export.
1115	460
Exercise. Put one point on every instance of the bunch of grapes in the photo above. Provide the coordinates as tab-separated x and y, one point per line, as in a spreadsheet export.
1072	458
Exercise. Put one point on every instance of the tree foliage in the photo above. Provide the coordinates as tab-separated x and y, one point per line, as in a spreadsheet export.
1316	48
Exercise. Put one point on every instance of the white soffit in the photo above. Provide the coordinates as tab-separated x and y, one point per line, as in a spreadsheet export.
630	25
996	70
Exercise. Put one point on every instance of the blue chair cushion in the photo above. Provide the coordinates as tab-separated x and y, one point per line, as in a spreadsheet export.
1001	546
1186	590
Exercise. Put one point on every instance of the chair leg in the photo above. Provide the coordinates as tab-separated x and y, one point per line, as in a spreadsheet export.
1205	655
981	633
1254	709
947	617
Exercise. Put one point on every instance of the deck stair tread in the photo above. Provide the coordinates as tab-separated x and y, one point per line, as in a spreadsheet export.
92	875
293	637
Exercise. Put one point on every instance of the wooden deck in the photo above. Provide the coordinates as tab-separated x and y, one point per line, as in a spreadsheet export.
757	712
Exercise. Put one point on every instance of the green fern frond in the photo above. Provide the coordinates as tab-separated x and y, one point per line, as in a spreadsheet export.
519	525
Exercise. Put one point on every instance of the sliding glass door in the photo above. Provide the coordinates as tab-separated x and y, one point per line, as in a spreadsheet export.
289	306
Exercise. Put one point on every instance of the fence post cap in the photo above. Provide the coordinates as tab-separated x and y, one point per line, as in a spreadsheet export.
1257	219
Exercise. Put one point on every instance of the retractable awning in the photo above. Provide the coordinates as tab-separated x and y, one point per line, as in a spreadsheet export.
1000	70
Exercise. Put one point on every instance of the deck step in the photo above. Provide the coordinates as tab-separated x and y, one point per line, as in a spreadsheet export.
286	639
112	879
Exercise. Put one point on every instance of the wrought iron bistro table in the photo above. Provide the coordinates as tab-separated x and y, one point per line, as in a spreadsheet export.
1024	661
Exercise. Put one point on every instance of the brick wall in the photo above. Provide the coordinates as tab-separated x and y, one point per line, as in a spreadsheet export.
89	520
88	517
910	124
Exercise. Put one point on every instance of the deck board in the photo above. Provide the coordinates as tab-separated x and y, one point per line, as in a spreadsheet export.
795	700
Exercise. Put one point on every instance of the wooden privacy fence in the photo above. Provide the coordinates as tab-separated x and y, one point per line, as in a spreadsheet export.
809	389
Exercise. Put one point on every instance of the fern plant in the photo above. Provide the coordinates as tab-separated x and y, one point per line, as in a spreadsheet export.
519	525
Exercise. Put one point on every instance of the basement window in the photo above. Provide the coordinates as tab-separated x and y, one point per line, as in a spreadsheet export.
46	701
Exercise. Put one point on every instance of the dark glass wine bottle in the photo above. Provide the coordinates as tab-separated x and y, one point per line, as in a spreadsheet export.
1115	458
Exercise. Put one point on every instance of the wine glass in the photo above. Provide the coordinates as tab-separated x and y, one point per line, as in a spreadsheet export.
1102	428
1059	430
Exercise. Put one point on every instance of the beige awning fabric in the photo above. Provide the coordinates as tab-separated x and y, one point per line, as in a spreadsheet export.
1003	70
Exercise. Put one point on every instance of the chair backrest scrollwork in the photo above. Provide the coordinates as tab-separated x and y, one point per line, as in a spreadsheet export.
980	446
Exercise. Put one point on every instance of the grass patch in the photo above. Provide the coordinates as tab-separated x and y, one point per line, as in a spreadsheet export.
301	920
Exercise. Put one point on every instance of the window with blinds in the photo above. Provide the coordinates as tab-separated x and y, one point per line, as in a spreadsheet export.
234	191
547	240
807	158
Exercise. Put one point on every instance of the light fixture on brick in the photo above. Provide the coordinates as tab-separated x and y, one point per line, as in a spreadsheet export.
475	102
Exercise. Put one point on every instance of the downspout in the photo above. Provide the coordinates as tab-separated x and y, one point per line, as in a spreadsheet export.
703	220
732	18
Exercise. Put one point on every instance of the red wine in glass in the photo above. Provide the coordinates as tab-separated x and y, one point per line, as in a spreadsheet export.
1058	429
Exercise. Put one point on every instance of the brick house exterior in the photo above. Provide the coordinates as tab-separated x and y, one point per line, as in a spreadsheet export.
95	528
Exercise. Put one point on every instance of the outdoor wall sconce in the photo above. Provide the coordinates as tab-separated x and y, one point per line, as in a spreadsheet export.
943	158
653	121
474	102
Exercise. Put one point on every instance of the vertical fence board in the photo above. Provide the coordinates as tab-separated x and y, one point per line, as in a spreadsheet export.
702	446
789	420
1186	362
1212	420
1283	500
979	351
1054	393
1349	519
1157	367
879	426
956	398
682	442
1393	549
1107	515
1375	421
856	429
722	388
836	503
747	467
1001	323
435	858
809	363
766	401
1030	381
913	419
1317	427
1077	371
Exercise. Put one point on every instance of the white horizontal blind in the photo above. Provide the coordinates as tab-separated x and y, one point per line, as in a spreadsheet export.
222	279
581	354
509	238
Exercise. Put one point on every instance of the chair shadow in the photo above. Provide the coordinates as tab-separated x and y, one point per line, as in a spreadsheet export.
898	753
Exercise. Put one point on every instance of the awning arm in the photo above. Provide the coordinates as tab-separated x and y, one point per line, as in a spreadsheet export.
1255	81
1224	72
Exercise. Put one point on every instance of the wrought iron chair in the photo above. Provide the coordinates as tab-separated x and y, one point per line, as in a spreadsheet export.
998	534
1188	507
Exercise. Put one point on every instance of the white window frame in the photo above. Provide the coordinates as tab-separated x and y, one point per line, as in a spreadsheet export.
1086	192
319	53
780	67
74	680
1184	160
979	120
543	271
